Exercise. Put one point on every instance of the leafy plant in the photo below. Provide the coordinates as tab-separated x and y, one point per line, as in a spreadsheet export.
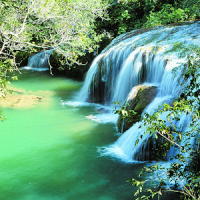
167	15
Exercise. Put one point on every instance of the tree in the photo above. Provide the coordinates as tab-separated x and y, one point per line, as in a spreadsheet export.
127	15
67	26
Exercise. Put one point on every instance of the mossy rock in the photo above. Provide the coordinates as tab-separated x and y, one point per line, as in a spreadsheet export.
139	98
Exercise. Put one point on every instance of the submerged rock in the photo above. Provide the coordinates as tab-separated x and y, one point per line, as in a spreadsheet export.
22	99
139	98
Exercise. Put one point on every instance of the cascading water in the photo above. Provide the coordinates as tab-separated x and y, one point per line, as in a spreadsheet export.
139	57
39	61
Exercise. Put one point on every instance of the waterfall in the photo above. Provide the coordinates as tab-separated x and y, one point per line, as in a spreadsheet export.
39	61
146	57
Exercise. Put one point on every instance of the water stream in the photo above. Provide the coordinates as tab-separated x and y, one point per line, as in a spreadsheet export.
49	149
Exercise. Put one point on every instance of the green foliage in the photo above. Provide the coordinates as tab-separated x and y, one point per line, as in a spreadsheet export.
5	67
2	118
67	26
179	11
36	25
126	15
192	8
126	114
167	15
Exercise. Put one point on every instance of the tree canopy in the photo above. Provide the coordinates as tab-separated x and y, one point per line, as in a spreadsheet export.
126	15
66	26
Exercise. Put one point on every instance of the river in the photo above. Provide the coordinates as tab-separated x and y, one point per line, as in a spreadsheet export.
49	148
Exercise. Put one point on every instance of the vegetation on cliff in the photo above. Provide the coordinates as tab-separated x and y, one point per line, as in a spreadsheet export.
126	15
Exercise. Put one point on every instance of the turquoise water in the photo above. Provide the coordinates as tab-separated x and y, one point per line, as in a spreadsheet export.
49	151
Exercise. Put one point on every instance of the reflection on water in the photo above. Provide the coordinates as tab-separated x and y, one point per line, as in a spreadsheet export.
49	151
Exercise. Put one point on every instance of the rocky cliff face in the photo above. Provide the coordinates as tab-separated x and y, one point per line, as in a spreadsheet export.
137	101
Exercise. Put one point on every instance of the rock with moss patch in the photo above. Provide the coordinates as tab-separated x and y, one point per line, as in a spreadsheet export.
139	98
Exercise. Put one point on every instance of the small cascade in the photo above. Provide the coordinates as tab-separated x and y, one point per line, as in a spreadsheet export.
39	61
139	57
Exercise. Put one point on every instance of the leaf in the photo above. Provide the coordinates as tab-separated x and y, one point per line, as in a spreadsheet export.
136	142
124	112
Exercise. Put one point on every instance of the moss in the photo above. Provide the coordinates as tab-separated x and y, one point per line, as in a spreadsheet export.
135	105
143	98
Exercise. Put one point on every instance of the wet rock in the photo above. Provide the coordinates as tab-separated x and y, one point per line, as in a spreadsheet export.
139	98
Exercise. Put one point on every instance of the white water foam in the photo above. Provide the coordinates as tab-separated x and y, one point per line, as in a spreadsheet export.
35	69
105	113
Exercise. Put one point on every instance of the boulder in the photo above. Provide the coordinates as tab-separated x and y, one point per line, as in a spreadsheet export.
139	98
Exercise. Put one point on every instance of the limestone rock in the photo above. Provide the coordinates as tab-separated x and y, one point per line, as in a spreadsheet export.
138	99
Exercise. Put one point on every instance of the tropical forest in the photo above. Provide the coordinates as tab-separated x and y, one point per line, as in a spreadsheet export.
99	99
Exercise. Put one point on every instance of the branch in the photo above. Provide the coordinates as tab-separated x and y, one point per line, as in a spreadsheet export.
24	22
171	141
23	26
3	46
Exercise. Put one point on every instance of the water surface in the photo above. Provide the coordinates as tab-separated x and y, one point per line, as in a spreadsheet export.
49	149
